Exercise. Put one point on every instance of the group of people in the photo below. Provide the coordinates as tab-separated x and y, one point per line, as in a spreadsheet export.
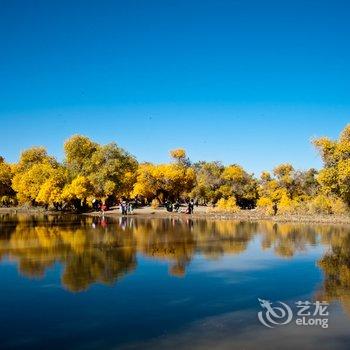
98	205
126	208
175	207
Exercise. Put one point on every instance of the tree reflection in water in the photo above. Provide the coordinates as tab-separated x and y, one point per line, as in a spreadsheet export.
95	250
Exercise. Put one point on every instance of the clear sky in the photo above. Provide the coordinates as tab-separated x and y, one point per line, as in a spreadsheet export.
244	81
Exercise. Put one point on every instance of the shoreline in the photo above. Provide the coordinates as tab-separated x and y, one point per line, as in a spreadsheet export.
199	213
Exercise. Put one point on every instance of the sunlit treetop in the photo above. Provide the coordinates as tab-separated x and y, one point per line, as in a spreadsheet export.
34	155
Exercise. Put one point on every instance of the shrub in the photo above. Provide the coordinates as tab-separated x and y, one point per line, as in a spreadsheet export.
228	204
155	203
266	204
339	207
320	204
288	205
323	204
7	201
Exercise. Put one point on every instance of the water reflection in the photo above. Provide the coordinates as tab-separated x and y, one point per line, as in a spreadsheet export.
336	266
99	250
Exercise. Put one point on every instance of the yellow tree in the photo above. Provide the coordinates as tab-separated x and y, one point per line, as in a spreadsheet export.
208	181
147	184
288	190
76	193
78	151
35	167
50	193
179	156
110	169
31	156
28	183
240	185
6	191
165	181
334	178
284	175
177	179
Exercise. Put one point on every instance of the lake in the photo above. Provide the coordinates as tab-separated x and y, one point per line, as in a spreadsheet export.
76	282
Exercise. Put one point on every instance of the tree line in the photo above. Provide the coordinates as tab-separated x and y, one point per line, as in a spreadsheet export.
109	173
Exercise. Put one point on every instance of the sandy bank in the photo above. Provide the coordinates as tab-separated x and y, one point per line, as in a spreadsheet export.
201	213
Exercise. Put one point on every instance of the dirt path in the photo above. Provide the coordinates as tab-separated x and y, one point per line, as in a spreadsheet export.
201	212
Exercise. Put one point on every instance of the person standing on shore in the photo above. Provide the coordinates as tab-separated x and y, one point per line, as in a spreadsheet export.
124	208
192	206
130	208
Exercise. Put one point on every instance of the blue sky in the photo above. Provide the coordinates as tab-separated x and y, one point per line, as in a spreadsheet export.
247	82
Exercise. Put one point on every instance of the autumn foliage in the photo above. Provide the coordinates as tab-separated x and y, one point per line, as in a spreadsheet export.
109	173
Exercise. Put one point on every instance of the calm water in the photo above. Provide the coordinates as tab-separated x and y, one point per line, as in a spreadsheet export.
82	283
